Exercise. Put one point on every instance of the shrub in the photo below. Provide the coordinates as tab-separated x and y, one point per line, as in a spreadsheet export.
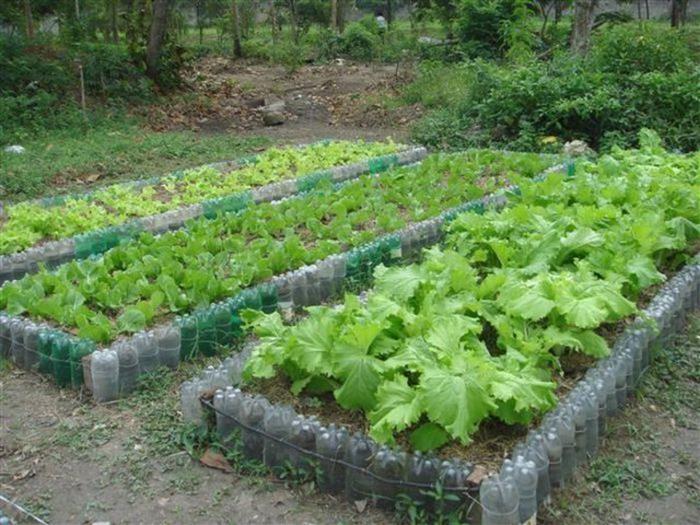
626	49
360	43
538	105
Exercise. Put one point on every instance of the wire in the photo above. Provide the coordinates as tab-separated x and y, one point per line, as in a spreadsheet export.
22	510
465	492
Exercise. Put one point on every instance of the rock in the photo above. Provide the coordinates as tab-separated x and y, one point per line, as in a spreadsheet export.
273	113
273	118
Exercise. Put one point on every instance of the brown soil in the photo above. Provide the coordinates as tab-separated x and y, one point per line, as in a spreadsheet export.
338	101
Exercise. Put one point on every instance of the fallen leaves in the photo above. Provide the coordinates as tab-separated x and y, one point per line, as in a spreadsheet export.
215	460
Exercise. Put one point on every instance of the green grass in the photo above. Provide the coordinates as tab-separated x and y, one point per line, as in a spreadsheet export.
108	150
636	459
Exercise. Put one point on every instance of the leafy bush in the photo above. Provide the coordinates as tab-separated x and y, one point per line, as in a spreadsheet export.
359	42
626	49
604	99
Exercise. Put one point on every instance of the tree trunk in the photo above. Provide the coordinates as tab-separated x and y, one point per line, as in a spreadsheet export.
675	13
584	11
558	10
646	6
389	12
236	19
113	20
156	37
293	19
273	21
28	19
334	15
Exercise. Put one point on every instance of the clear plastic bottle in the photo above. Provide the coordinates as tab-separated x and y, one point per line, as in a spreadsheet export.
390	465
590	404
5	336
105	375
537	452
253	412
147	347
424	469
231	415
325	279
524	474
297	282
567	434
579	415
278	424
128	366
620	370
17	350
338	263
499	501
555	449
313	285
303	435
359	453
191	400
331	442
31	346
168	343
451	476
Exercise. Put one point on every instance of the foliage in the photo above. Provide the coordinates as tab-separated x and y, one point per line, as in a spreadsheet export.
604	99
475	330
360	42
138	283
29	223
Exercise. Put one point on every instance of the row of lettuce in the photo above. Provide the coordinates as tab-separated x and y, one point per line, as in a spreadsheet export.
478	329
28	224
150	280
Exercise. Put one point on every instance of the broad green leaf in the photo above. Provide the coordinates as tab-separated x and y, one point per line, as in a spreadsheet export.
469	401
428	436
398	407
131	320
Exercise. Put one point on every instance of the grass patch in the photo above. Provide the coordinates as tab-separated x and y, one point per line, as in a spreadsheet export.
638	459
108	150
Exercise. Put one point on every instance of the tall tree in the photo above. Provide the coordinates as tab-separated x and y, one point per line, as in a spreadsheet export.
584	11
679	11
236	20
28	19
156	37
113	23
334	15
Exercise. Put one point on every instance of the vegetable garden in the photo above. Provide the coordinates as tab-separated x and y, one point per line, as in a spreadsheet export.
405	310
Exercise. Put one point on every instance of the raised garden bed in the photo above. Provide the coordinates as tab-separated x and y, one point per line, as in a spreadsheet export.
95	222
476	333
369	206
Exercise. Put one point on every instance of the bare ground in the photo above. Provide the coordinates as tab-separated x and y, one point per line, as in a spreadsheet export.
344	101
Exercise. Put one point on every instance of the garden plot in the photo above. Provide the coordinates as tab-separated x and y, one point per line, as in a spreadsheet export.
94	222
191	283
494	328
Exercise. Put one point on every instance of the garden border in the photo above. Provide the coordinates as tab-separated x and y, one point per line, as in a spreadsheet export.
54	253
632	352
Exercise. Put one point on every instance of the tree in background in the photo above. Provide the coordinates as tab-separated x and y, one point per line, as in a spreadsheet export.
156	38
584	16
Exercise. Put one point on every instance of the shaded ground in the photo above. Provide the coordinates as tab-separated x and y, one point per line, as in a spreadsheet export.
70	461
338	100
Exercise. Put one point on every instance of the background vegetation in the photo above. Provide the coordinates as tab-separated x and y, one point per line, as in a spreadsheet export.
506	73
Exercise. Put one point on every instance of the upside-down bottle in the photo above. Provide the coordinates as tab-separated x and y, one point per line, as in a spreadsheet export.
499	501
331	442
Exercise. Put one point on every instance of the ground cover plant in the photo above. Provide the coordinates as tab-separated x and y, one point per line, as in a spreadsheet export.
29	223
477	329
142	282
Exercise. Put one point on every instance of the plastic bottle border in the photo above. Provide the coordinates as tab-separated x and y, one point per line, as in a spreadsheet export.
469	494
497	199
67	249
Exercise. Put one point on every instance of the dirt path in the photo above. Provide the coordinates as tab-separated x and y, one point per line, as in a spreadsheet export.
344	101
70	461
